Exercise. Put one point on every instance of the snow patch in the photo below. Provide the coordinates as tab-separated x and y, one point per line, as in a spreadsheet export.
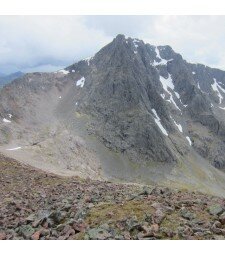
168	83
14	149
194	72
162	60
189	140
80	82
215	86
178	125
221	88
162	95
63	71
60	97
76	103
158	122
10	115
223	108
73	71
177	95
135	41
88	60
6	121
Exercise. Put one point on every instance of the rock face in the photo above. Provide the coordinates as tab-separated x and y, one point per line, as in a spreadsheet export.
133	112
127	80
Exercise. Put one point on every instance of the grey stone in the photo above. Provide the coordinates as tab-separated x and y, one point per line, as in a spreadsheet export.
98	234
215	209
26	231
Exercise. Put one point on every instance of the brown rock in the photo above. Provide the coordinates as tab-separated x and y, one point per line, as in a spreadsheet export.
79	227
71	232
36	235
2	236
154	228
159	216
222	218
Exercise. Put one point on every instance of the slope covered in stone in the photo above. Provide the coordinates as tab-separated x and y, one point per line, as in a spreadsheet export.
41	206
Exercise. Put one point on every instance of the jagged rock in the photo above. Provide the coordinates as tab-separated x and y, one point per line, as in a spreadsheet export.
159	215
98	234
36	235
215	209
187	214
222	218
31	218
26	231
2	236
41	216
57	216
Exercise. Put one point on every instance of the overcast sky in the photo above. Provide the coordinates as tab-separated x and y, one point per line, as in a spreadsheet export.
48	43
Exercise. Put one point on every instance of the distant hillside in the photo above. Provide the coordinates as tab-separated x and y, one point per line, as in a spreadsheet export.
5	79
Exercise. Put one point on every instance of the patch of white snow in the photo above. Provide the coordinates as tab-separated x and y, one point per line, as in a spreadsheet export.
14	149
215	86
162	95
189	140
158	122
80	82
178	125
177	95
135	41
168	83
6	121
63	71
162	60
88	60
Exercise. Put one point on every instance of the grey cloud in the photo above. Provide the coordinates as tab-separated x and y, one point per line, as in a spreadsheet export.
47	43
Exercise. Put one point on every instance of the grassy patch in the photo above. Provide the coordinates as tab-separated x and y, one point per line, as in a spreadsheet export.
116	212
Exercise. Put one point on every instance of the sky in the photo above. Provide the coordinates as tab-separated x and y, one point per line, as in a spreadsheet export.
49	43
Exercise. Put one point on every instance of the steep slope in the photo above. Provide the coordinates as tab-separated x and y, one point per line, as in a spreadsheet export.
134	112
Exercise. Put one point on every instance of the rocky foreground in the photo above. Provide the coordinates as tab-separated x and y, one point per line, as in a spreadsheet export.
38	205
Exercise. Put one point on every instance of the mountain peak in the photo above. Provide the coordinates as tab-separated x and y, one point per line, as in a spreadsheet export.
146	108
120	37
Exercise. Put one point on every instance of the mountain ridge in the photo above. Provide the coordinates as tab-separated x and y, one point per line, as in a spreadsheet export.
7	78
134	112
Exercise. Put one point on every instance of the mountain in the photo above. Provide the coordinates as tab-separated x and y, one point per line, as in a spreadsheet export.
5	79
133	113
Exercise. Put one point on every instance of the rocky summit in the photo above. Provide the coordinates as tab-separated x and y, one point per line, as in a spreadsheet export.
133	113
